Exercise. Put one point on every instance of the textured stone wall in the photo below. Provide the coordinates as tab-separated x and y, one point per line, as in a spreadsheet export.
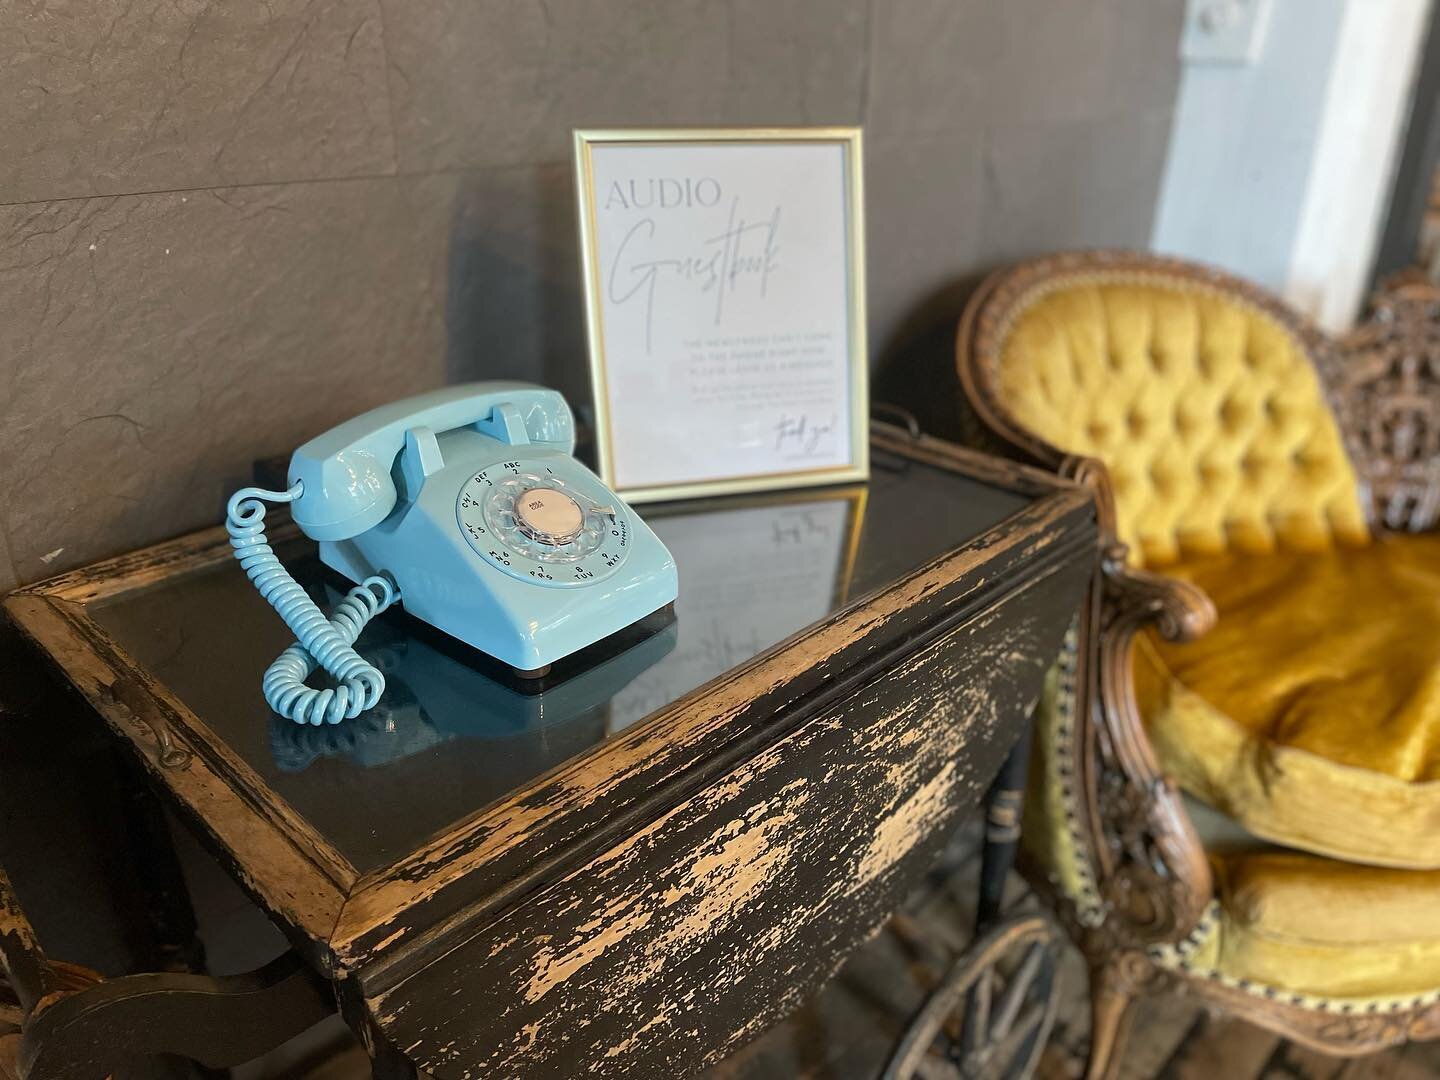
226	226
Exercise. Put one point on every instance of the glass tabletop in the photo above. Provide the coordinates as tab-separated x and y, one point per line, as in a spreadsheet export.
453	734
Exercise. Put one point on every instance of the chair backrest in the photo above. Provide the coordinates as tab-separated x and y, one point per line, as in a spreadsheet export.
1198	391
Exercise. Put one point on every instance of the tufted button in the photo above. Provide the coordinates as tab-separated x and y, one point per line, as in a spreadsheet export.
1252	466
1135	423
1232	413
1097	431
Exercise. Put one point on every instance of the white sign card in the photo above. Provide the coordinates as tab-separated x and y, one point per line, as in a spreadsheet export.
725	295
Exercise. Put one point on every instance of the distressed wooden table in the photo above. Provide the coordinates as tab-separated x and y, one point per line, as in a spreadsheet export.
630	872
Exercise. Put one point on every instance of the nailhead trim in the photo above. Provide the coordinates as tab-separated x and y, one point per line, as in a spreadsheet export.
1089	911
1177	958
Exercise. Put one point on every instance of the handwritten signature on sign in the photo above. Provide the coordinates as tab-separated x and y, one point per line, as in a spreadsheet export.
747	251
800	434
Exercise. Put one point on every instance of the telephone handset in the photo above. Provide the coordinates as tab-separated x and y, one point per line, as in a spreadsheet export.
464	505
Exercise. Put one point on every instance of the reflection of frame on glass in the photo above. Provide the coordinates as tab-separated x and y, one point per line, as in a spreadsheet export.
719	368
722	622
856	495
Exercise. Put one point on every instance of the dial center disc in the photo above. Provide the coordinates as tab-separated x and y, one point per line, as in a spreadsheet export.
548	516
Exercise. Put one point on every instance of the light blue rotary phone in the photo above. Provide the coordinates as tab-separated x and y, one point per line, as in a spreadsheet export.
465	505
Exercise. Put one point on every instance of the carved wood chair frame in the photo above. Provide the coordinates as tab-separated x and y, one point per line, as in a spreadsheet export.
1145	896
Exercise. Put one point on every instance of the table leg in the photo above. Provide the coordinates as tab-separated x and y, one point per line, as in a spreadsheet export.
172	940
1003	804
389	1064
386	1061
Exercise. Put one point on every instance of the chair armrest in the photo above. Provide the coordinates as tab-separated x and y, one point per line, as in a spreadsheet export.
1388	401
1150	868
1179	610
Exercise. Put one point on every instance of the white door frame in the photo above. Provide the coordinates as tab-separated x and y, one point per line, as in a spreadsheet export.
1359	145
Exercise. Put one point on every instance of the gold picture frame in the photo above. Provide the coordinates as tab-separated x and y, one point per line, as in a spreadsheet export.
849	139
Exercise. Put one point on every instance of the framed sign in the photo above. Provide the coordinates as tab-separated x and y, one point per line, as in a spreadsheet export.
725	301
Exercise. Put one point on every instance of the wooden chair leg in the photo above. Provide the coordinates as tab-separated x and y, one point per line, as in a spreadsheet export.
1111	998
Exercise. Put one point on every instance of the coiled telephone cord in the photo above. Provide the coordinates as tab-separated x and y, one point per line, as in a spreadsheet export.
320	642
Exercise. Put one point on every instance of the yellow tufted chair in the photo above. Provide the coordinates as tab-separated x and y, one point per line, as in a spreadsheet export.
1255	636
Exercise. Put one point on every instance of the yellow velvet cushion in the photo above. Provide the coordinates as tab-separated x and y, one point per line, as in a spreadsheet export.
1311	712
1319	927
1206	411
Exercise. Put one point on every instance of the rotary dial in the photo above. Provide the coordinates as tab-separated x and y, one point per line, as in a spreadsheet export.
527	520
